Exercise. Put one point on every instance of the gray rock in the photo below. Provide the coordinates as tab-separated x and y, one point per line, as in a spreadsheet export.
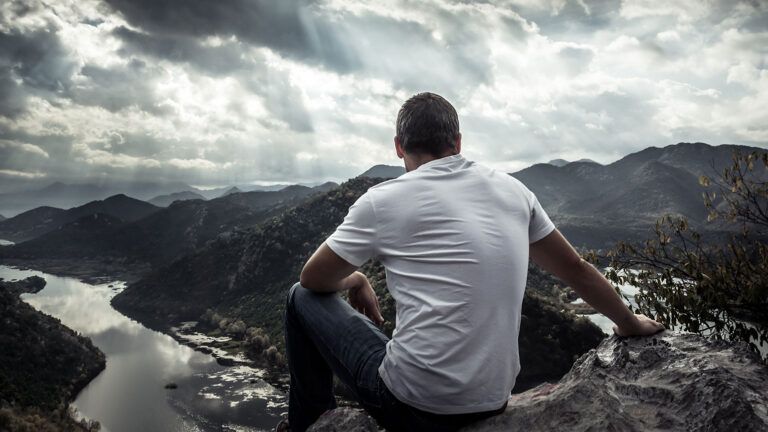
344	419
671	381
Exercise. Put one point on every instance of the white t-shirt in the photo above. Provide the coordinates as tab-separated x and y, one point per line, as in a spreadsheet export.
453	237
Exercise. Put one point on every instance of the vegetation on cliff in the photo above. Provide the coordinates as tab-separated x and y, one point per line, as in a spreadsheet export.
719	289
43	365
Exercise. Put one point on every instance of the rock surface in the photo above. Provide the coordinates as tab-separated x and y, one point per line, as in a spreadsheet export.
671	381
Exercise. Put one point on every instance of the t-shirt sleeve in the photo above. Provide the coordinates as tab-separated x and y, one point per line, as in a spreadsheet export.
540	225
355	239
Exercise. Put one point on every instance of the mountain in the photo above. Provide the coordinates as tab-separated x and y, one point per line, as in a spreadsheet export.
41	220
217	192
558	162
98	242
2	218
65	196
384	171
166	200
262	199
598	204
232	190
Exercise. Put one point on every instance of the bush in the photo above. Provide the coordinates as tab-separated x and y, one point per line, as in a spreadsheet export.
717	288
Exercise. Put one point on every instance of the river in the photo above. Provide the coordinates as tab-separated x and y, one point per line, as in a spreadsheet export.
130	394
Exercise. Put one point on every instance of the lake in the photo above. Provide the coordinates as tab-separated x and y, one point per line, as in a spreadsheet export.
130	394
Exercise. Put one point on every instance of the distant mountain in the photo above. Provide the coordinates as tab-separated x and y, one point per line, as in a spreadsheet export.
166	200
384	171
162	236
598	204
563	162
558	162
232	190
41	220
2	218
220	191
65	196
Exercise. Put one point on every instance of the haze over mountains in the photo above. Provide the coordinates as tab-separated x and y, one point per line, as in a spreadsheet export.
168	199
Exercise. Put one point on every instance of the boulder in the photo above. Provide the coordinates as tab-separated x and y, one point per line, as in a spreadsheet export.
670	381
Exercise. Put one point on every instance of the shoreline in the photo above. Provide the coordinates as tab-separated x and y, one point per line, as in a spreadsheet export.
91	272
94	272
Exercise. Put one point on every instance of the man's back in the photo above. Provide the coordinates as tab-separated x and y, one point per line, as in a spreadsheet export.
453	237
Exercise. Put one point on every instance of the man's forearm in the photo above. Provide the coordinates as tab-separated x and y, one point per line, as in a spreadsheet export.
595	289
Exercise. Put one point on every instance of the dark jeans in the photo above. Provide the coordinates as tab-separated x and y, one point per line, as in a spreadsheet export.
324	335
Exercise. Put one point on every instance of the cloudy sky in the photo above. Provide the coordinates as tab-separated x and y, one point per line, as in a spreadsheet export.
237	91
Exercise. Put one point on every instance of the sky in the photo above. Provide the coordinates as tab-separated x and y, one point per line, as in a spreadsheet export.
249	91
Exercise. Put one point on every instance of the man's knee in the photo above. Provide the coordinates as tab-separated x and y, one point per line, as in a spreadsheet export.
290	300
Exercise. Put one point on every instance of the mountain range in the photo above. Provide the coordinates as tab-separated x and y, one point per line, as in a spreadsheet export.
155	239
596	205
41	220
62	195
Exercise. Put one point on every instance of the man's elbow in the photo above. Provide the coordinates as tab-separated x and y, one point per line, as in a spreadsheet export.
306	280
309	280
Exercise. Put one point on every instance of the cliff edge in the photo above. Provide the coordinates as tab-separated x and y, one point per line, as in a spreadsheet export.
670	381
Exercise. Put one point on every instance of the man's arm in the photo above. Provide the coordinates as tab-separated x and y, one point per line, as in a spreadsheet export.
325	271
554	254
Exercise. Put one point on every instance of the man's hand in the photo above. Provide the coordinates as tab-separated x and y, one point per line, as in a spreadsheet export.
641	326
363	298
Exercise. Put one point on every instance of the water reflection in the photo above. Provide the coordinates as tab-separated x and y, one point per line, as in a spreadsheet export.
129	395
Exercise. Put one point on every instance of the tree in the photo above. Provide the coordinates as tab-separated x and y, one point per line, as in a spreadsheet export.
716	284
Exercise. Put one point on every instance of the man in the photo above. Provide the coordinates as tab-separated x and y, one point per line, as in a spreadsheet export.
455	239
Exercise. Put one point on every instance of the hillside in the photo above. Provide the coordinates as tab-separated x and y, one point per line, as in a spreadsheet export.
166	200
41	220
103	244
245	276
596	205
43	364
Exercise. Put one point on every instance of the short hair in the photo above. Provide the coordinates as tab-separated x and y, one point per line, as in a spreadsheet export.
427	124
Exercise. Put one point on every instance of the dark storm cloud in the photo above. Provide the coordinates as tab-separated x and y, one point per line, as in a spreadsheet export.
218	60
119	87
32	62
288	26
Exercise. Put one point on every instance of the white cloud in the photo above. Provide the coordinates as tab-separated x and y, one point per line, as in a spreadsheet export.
532	81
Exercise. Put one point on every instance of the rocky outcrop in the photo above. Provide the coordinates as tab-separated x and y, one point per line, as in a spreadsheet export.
671	381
